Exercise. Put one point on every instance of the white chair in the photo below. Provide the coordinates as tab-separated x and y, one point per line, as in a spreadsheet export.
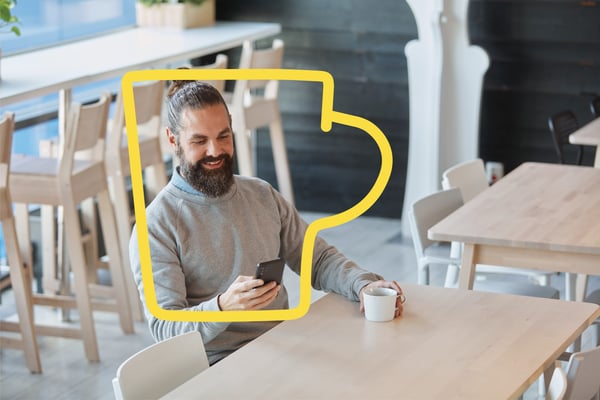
582	376
161	367
431	209
593	297
471	179
254	105
558	385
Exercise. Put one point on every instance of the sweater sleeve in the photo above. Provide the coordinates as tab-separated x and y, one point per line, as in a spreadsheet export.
170	288
331	270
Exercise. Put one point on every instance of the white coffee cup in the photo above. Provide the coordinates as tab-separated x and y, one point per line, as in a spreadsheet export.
380	304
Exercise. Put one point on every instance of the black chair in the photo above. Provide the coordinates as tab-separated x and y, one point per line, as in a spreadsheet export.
561	125
595	106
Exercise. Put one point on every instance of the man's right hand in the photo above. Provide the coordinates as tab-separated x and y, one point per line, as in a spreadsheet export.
248	293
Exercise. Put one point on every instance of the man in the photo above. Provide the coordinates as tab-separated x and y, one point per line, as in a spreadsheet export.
208	228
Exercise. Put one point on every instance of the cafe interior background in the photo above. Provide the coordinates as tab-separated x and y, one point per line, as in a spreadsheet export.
544	57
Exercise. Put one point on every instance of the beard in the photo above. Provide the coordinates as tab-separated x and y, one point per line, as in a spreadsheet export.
214	182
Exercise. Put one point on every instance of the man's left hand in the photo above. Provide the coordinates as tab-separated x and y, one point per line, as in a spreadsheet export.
387	284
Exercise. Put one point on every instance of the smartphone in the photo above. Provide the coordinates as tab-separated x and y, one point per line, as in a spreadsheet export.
270	271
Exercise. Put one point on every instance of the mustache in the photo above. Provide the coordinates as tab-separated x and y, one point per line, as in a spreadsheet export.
213	159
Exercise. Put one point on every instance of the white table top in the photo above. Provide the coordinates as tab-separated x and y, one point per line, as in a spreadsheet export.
450	343
52	69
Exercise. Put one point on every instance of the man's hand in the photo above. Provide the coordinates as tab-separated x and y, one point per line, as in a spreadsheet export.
248	293
387	284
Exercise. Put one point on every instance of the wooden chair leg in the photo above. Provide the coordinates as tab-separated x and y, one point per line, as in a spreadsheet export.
50	281
90	243
117	272
120	202
21	285
244	153
284	178
155	178
77	261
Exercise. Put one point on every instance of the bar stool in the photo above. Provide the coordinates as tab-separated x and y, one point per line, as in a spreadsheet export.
254	105
78	174
148	99
20	273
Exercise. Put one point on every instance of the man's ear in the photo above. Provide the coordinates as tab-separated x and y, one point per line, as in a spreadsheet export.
171	138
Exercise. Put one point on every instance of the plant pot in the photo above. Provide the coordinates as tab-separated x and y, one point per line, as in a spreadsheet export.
188	15
149	15
182	16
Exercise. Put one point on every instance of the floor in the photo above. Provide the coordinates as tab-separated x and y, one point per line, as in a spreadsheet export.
375	243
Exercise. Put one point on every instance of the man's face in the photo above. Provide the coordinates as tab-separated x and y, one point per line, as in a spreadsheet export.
205	149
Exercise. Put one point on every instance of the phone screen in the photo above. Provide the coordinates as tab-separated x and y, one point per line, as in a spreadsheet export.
270	271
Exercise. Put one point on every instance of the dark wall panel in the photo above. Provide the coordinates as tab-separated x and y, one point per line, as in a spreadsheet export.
545	57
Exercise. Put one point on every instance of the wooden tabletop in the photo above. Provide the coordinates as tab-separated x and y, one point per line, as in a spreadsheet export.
450	343
49	70
589	135
538	206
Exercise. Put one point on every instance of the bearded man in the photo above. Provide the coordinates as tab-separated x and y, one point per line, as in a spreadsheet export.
208	229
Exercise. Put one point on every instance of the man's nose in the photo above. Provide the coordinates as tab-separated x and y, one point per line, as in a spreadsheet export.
213	148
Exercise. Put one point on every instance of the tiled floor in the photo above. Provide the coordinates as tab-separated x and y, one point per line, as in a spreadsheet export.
374	243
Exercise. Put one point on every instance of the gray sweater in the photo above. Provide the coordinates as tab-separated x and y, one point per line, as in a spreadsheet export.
199	245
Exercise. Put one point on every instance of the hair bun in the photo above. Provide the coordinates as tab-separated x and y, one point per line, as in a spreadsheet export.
177	84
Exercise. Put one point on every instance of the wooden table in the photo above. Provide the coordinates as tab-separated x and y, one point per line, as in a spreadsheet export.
450	343
541	216
63	67
588	135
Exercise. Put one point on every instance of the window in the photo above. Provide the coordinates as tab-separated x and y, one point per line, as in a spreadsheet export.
49	22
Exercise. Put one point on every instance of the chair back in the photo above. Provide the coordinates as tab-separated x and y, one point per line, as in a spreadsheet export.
7	127
148	100
272	57
468	176
561	125
558	385
428	211
595	107
221	62
161	367
583	375
148	104
85	135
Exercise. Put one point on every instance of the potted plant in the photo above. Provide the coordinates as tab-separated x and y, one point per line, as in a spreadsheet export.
8	21
181	14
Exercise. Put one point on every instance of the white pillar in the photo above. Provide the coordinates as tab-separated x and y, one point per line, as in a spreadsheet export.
445	76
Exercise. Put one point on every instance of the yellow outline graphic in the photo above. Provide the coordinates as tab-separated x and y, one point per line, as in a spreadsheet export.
328	117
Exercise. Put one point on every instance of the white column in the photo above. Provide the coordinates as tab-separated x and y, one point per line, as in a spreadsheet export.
445	75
